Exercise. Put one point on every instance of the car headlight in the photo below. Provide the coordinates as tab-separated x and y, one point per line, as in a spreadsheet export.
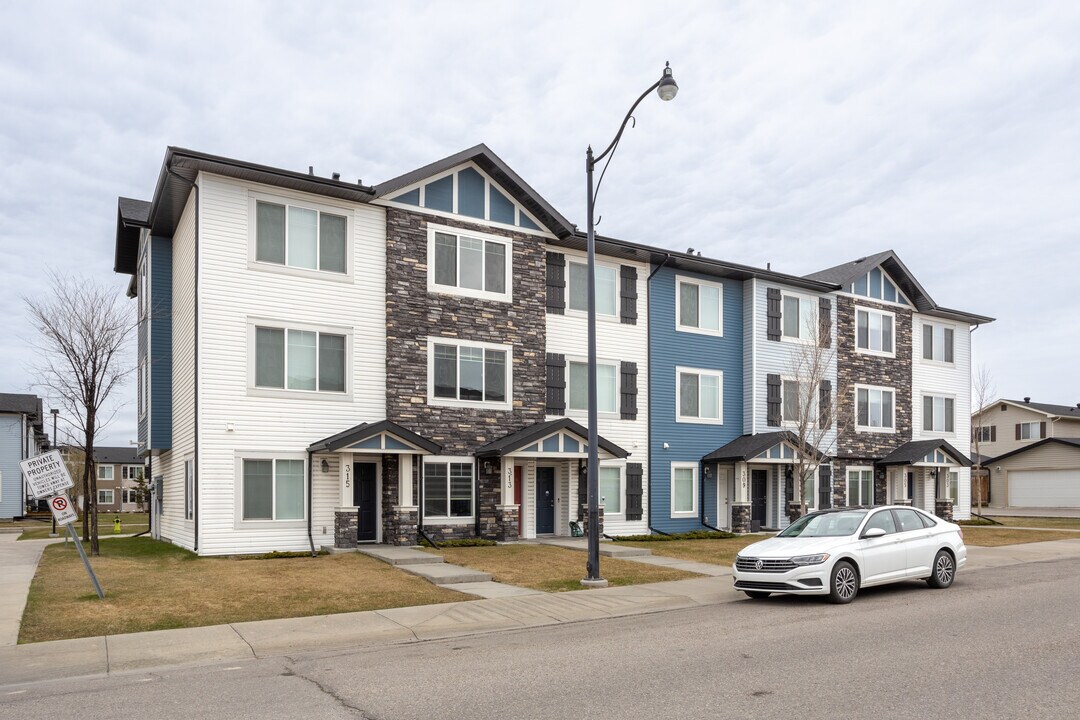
810	559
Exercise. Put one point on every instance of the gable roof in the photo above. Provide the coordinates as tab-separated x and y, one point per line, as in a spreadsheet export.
1069	442
117	455
527	436
1063	411
915	450
22	403
748	447
364	431
499	171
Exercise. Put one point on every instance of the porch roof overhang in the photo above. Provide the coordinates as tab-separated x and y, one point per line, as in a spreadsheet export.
914	452
520	442
746	448
355	439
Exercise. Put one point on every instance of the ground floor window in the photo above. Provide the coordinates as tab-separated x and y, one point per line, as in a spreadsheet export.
448	490
105	497
860	486
683	489
273	490
611	489
952	480
130	495
810	491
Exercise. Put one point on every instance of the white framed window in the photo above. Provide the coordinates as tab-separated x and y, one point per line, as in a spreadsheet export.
448	488
607	288
105	497
607	387
189	490
468	374
106	472
684	489
144	387
611	489
984	434
860	486
792	398
874	331
938	414
937	341
953	489
272	489
469	264
798	317
877	285
130	472
810	496
130	496
875	408
144	302
699	306
299	359
701	396
1030	430
302	236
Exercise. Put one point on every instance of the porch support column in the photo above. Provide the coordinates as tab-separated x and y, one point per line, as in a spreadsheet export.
405	481
740	508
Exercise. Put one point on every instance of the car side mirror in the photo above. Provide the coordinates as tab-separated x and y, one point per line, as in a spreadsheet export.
874	533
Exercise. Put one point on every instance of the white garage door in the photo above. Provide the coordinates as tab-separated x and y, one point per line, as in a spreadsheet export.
1044	488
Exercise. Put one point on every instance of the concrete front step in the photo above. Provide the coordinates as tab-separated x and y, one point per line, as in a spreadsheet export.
445	573
395	555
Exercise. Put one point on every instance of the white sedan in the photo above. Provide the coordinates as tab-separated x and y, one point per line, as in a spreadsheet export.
836	552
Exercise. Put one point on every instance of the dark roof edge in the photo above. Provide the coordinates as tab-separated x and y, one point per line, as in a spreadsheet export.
1073	442
961	315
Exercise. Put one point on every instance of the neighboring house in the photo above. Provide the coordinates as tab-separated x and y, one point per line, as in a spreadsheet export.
904	378
21	436
117	469
1031	452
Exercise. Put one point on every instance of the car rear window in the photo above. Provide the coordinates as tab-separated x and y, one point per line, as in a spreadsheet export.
909	520
927	520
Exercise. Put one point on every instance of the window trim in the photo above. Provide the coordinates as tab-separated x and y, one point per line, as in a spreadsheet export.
847	480
112	471
433	340
814	304
582	412
321	205
622	490
112	496
719	375
693	513
508	270
870	428
935	325
922	410
1034	430
447	460
813	397
679	327
263	524
345	395
867	350
583	260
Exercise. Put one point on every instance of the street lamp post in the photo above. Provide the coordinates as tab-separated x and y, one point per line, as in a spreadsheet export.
666	89
55	412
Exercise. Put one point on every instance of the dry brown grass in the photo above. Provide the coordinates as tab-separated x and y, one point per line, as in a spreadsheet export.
553	569
1038	522
151	585
715	551
983	536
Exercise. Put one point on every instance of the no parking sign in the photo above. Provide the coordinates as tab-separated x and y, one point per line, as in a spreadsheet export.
62	510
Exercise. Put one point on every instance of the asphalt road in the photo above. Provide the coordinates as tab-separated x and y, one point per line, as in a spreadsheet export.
1002	643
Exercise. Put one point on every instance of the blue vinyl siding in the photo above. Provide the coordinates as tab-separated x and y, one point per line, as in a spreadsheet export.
160	343
689	442
11	453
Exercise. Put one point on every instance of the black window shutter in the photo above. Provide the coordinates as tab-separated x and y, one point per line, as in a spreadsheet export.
825	404
628	294
825	322
556	384
993	433
633	491
556	283
773	401
772	296
824	487
1042	429
628	404
1017	431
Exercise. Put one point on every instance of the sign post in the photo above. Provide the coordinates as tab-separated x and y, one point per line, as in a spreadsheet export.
47	475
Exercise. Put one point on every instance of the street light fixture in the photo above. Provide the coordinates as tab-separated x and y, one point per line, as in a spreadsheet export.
666	88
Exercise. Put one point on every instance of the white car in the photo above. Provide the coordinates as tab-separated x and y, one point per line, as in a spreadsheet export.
836	552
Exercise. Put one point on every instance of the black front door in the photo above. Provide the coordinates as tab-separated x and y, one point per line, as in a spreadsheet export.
364	498
759	481
545	500
911	487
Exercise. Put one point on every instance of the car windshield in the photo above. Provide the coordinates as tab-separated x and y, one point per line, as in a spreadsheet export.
834	524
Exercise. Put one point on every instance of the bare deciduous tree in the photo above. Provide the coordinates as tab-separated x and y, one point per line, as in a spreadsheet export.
83	330
983	392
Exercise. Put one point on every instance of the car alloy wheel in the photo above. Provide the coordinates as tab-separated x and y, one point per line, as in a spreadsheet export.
845	583
944	570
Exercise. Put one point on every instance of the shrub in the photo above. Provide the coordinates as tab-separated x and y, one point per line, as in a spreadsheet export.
461	542
693	535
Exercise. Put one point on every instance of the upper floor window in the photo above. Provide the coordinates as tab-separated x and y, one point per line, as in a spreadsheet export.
938	414
874	331
799	317
469	372
877	285
699	306
1028	431
700	396
874	408
144	387
606	288
985	433
937	343
105	472
470	193
299	360
131	472
607	387
794	396
468	264
300	237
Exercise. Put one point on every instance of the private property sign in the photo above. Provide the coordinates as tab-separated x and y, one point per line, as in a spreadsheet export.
46	474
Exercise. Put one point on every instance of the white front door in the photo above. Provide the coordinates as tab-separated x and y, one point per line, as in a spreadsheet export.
724	490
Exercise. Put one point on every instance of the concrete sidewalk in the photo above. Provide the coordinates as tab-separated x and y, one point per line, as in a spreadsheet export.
18	562
239	641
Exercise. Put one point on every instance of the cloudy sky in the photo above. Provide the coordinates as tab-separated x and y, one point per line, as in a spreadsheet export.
803	135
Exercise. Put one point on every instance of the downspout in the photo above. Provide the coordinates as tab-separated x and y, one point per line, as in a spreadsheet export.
648	360
195	373
311	541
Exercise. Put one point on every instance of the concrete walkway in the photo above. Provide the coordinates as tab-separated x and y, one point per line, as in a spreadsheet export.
437	571
607	549
18	562
34	662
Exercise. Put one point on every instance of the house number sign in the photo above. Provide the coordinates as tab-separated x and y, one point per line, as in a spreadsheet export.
348	476
510	478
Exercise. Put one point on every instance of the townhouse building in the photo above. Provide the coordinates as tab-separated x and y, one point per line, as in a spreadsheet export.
119	471
22	435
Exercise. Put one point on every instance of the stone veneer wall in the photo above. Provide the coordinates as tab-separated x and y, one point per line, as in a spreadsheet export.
413	314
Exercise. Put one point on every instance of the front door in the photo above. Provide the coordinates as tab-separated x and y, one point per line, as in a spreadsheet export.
911	487
759	483
545	500
364	498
